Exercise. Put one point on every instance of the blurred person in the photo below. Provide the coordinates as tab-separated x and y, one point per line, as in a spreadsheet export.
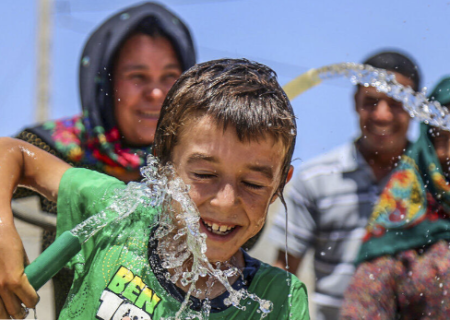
126	69
404	261
330	200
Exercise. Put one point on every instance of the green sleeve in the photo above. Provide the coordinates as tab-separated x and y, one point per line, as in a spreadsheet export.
83	193
298	300
286	292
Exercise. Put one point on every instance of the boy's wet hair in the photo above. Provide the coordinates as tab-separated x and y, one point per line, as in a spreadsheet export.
236	93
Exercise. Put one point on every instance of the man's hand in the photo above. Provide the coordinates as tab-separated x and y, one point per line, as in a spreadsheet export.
15	289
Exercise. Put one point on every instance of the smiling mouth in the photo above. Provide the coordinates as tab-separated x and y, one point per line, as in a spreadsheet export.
221	230
149	114
381	132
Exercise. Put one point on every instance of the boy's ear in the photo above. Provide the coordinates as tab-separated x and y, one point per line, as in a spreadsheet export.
289	177
290	174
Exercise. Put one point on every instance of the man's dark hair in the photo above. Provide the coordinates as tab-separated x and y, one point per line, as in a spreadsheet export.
236	93
396	62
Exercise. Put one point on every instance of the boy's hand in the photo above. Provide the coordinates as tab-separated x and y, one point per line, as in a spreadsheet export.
15	289
21	164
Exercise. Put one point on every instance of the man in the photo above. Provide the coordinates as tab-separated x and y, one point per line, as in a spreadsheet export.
331	198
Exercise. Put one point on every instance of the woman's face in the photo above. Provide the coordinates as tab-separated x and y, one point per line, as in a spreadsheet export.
441	142
145	70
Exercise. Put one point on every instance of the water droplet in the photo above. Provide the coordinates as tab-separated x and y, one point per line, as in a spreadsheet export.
416	103
124	16
85	61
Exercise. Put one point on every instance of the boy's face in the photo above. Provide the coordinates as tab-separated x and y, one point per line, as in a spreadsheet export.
232	182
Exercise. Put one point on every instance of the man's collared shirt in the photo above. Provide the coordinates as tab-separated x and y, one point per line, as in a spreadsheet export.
329	203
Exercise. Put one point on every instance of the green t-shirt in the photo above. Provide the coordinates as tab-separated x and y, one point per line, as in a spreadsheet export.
113	276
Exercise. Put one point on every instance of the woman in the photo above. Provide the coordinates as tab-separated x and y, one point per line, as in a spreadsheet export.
127	67
405	257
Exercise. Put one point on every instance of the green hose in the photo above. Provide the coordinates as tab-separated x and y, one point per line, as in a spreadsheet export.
53	259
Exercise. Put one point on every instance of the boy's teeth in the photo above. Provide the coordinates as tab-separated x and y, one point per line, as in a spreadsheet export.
215	228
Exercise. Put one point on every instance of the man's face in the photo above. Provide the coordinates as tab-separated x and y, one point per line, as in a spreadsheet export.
145	70
232	182
383	121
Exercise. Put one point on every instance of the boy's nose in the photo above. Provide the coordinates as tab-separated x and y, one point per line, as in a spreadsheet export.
226	196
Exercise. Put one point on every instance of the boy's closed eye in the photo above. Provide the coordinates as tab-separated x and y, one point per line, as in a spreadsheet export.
252	185
204	175
246	183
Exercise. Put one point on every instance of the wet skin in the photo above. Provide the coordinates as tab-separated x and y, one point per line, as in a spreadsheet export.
232	183
145	70
383	121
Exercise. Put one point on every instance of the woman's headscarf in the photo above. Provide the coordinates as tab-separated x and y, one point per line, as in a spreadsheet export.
92	139
414	207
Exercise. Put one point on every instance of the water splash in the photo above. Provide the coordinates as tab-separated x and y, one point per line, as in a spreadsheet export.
181	245
416	103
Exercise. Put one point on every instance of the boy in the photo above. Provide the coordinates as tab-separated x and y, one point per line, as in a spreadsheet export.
229	131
